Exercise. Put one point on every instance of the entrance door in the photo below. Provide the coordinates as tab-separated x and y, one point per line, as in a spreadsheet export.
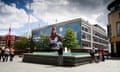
118	48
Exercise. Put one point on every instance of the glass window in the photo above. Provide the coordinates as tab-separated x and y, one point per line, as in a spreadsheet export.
86	29
82	28
85	44
109	31
112	8
118	28
83	36
119	15
88	37
61	29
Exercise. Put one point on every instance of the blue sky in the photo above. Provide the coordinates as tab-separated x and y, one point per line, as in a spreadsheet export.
45	12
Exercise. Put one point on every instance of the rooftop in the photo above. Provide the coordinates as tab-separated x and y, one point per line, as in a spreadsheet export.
69	21
114	3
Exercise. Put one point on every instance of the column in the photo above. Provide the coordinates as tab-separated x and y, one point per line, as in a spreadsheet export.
109	46
91	37
114	47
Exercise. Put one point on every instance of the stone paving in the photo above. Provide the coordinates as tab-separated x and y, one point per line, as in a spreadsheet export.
18	66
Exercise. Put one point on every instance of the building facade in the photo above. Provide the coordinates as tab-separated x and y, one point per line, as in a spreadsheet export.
4	40
114	27
88	35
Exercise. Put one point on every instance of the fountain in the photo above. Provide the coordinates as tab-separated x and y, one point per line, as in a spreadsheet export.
65	51
69	58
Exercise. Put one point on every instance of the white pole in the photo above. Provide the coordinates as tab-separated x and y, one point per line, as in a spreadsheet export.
29	32
28	26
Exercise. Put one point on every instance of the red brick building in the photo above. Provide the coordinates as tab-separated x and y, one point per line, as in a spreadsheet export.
5	42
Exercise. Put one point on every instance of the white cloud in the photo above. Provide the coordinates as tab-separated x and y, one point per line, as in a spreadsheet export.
3	33
62	10
49	10
14	16
11	15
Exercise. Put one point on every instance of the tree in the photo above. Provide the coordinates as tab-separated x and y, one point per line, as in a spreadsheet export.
32	44
21	43
70	39
43	42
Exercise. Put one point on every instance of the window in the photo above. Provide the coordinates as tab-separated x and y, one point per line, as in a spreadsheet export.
119	5
109	30
82	28
86	29
83	36
61	29
85	44
118	28
88	37
119	15
112	8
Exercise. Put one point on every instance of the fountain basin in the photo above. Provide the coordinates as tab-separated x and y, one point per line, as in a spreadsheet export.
69	59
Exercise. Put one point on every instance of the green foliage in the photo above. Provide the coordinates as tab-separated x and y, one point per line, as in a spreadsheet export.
43	42
21	43
77	47
32	44
70	39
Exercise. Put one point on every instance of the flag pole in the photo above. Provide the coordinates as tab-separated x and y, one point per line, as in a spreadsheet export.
29	32
9	37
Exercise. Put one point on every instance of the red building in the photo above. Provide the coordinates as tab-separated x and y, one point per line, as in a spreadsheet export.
7	40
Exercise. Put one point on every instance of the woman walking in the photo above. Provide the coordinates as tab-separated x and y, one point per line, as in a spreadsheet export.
0	54
11	54
6	54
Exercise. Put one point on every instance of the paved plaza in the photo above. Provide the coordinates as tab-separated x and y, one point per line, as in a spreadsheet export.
112	65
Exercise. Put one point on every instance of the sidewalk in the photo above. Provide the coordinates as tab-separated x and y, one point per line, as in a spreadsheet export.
18	66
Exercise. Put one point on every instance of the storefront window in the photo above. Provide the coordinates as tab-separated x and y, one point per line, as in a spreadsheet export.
119	15
118	28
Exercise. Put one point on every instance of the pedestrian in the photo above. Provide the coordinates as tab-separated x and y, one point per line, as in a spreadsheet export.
0	54
103	53
92	54
6	54
12	50
60	54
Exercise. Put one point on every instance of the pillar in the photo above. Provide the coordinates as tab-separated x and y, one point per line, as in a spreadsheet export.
114	47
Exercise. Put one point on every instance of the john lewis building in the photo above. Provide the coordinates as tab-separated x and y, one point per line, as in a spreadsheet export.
88	35
114	27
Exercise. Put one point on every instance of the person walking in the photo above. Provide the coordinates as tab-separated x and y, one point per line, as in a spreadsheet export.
12	50
0	54
103	53
6	54
60	54
92	54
